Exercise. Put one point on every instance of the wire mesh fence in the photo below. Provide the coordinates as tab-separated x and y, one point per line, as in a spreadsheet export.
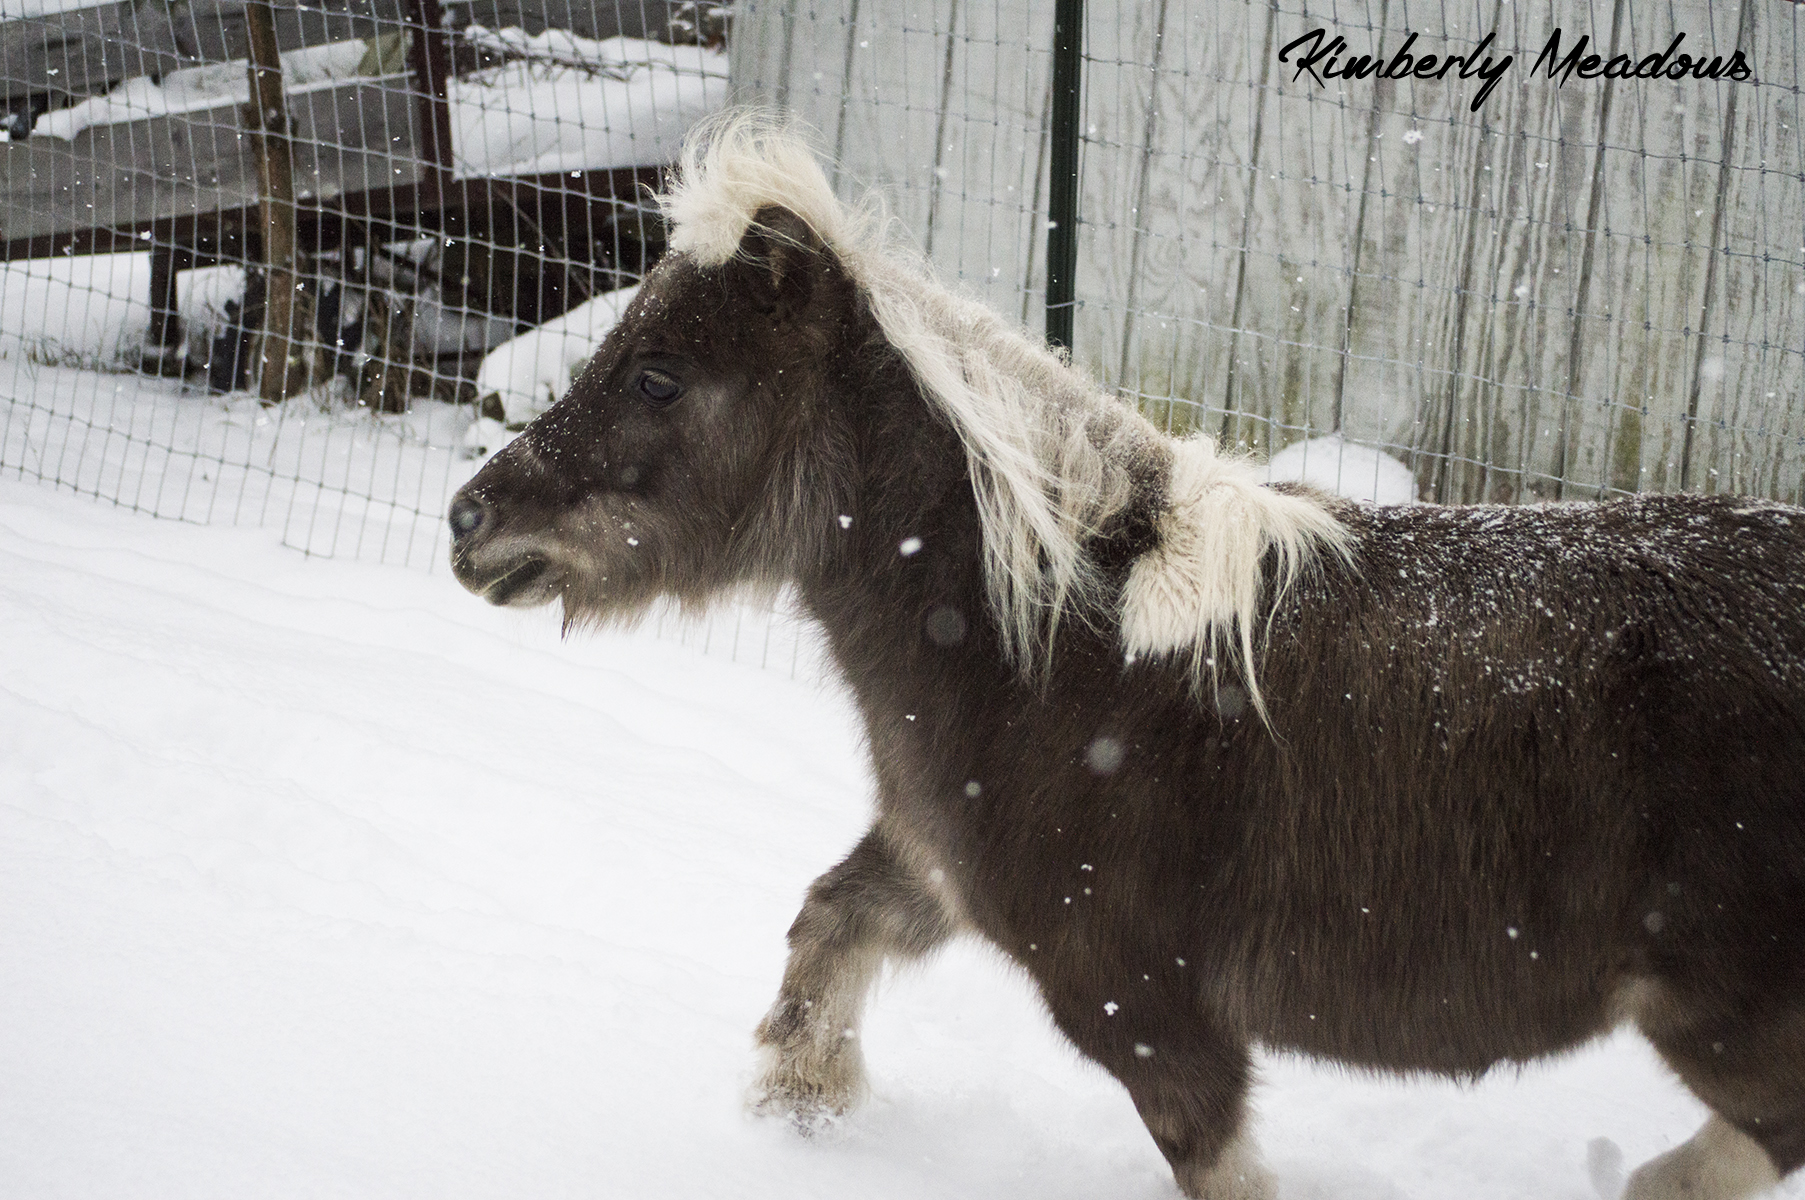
322	273
1302	228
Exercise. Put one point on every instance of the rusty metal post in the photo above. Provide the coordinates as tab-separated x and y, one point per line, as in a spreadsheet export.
281	371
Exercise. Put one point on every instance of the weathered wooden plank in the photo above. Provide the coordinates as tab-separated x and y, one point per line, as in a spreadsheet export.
68	55
1636	349
215	30
986	218
352	137
1461	258
1173	177
1292	267
897	146
72	54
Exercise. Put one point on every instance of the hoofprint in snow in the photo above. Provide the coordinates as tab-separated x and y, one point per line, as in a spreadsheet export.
577	104
323	878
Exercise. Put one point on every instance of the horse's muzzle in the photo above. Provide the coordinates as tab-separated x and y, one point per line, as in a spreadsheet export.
503	570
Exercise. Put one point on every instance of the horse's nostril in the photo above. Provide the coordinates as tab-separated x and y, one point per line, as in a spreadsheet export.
467	516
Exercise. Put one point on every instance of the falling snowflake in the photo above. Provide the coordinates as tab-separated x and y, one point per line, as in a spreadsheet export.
1103	755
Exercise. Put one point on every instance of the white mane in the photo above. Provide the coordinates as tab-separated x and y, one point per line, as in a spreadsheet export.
1048	452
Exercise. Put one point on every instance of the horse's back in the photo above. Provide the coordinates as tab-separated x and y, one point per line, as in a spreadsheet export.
1646	655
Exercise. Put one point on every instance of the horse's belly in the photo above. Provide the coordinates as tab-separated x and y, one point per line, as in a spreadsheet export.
1429	1016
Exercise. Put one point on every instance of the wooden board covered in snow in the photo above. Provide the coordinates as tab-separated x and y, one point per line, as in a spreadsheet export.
78	52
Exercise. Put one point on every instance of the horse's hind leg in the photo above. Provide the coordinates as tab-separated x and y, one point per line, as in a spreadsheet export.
871	907
1187	1074
1720	1162
1749	1067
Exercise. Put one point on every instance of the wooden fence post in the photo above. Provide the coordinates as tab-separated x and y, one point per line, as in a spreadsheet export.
163	347
429	57
281	370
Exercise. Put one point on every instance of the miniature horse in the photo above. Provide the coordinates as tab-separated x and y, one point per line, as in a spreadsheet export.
1419	789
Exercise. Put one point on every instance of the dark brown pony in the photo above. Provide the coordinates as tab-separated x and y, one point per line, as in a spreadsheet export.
1416	788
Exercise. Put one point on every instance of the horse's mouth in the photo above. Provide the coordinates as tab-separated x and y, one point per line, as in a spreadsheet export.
521	583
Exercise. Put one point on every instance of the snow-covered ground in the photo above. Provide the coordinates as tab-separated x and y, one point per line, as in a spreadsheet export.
333	480
321	878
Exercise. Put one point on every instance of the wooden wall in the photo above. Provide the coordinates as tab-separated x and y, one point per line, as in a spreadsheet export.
1576	290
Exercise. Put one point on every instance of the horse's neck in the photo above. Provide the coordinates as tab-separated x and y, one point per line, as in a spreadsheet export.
902	595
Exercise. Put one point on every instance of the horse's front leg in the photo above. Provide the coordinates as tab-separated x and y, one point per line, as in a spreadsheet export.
871	907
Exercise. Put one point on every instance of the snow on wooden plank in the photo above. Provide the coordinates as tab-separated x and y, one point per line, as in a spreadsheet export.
69	54
78	52
621	102
596	19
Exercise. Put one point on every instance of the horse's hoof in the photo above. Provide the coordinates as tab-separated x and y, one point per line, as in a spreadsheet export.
808	1108
807	1116
1236	1174
1719	1163
802	1080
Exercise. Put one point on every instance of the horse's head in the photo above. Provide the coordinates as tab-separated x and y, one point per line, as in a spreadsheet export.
676	464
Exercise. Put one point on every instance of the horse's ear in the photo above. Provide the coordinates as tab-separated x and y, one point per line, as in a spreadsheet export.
785	255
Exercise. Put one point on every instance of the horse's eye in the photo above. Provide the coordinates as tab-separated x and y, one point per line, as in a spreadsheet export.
658	389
